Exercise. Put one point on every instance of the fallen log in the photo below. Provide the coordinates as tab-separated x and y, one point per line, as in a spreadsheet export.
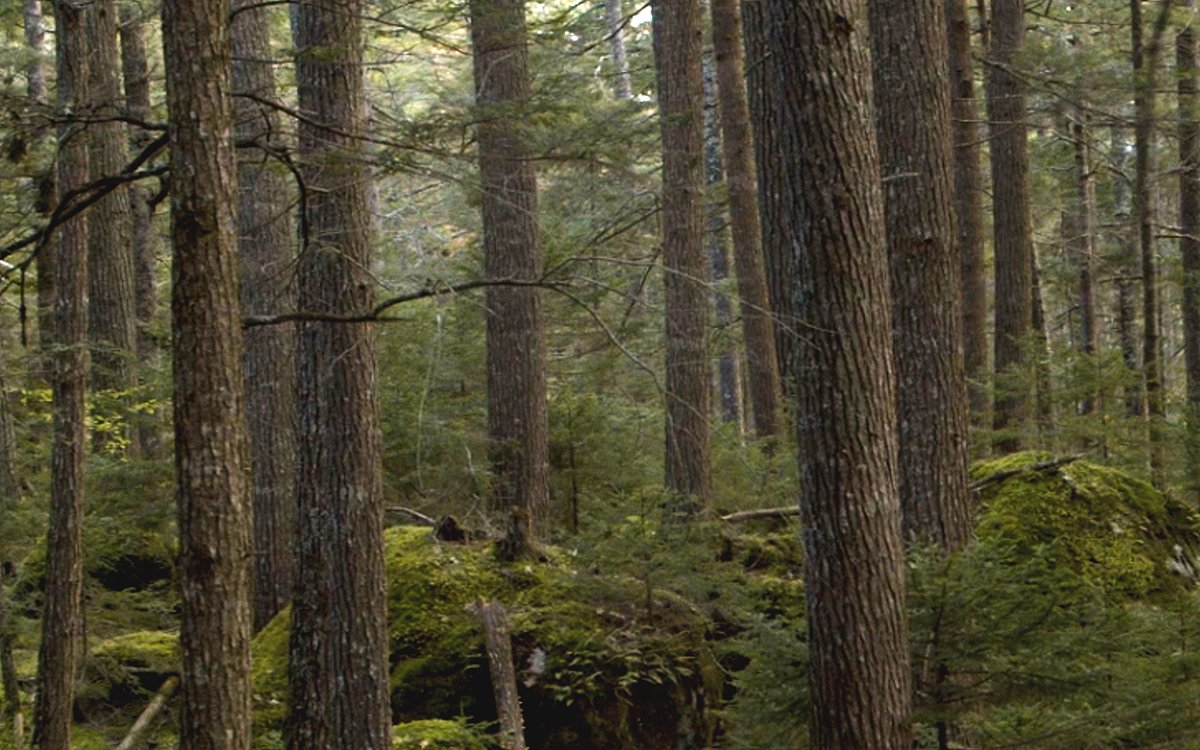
141	727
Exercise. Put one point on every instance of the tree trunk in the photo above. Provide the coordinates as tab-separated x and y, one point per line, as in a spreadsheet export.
968	208
729	371
498	646
1079	223
912	98
850	506
614	18
35	36
112	318
1013	232
338	670
516	339
779	265
211	451
1126	263
10	495
677	50
761	359
1189	230
1145	71
35	39
1043	396
62	614
265	237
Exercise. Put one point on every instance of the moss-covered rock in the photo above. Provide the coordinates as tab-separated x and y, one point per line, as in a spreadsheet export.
121	672
1119	533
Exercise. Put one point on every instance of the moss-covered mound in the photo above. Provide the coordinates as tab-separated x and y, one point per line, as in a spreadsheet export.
602	663
1119	533
117	558
121	672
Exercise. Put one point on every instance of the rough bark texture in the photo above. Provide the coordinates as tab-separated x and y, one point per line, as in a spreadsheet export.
677	50
1013	233
1126	263
762	366
265	246
338	668
516	339
1041	366
614	18
112	316
1189	230
211	454
1079	227
778	261
850	506
10	495
912	98
968	208
62	614
35	36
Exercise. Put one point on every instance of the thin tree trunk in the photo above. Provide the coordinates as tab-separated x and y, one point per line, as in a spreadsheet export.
112	316
1013	231
35	40
1080	225
1189	230
968	208
338	668
498	646
1043	397
614	18
912	98
10	495
8	669
761	358
1145	70
145	721
516	339
211	452
850	505
677	51
1126	268
62	614
35	35
779	264
265	246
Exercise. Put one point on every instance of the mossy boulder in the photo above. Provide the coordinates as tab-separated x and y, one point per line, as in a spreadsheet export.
601	662
123	671
1117	532
116	558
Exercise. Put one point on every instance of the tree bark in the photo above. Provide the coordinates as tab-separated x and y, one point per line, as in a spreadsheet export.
265	246
10	495
1126	263
850	506
614	18
145	720
761	358
1189	230
677	51
968	208
338	668
112	317
1079	223
498	645
35	37
211	452
1013	233
779	264
516	340
1043	397
35	40
62	614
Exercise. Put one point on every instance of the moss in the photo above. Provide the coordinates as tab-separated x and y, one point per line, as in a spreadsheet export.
124	670
268	665
438	734
1117	532
155	650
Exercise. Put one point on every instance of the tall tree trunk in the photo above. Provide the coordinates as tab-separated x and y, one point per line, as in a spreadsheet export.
1126	263
35	40
1079	224
1145	71
779	264
729	369
912	99
677	50
211	451
968	208
265	245
614	18
135	69
112	318
35	36
62	614
1189	230
1043	396
516	339
849	499
1013	232
761	359
338	668
10	495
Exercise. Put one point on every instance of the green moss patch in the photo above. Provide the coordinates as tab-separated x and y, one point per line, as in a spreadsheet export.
438	734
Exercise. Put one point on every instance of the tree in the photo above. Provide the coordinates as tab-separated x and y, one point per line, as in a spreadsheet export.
211	453
614	19
1079	227
62	613
757	329
1012	231
677	49
518	428
337	667
912	100
112	317
265	242
1189	233
820	64
10	495
968	206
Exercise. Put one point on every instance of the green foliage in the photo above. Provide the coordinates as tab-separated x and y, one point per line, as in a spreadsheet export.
438	734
